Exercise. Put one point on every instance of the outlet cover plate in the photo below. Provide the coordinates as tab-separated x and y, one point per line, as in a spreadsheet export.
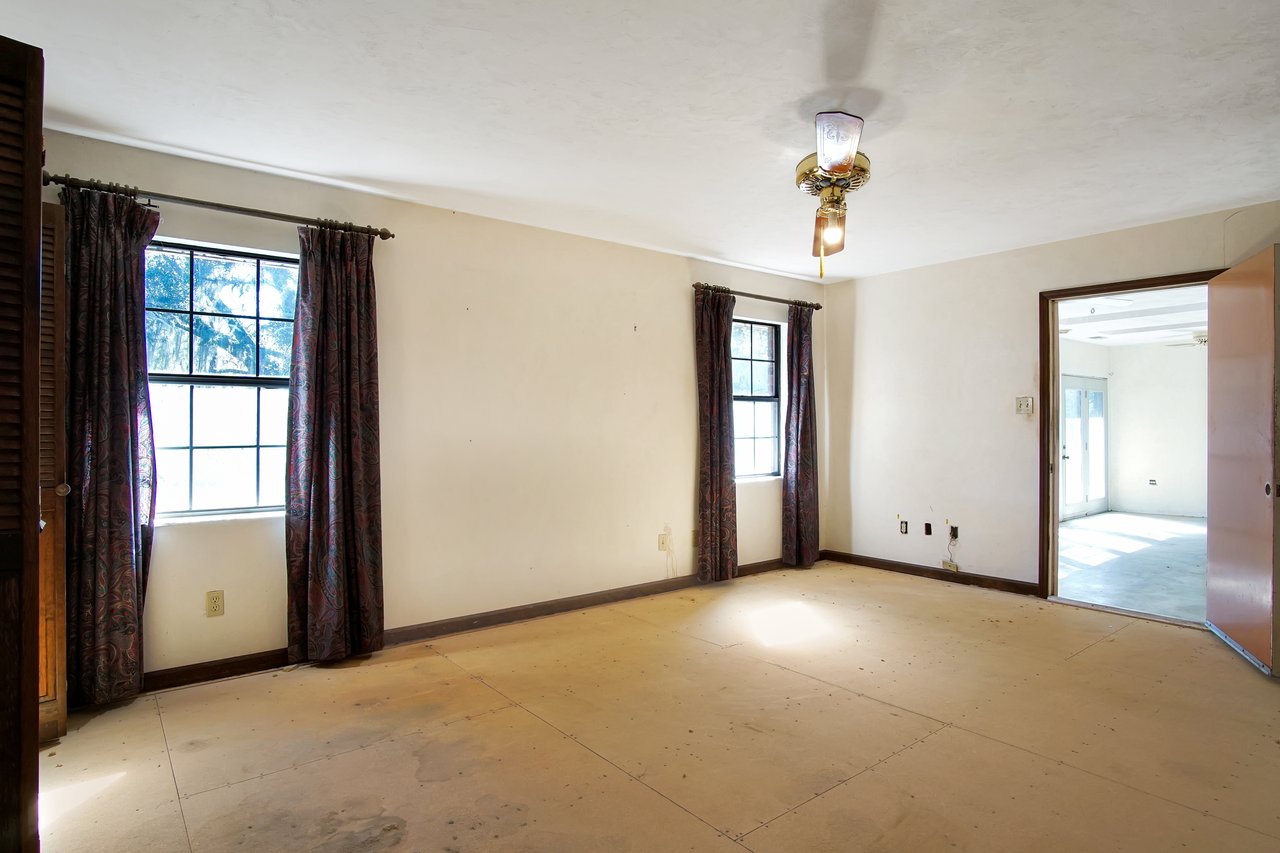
215	603
950	566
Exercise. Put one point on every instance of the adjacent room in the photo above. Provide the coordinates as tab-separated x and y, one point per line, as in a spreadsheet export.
1133	432
828	426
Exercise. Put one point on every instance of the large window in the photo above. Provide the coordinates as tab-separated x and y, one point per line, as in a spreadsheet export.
219	337
754	348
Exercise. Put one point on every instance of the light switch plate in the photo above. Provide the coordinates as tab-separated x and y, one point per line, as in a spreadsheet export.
1026	405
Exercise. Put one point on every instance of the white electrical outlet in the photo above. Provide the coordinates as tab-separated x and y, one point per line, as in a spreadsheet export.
664	541
950	566
215	603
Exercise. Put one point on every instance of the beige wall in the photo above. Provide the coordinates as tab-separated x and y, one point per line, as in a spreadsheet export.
923	369
538	411
1159	430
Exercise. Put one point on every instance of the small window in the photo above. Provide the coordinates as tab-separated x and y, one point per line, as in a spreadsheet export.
754	349
219	342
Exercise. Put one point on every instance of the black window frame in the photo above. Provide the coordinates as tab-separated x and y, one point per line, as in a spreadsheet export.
776	398
195	379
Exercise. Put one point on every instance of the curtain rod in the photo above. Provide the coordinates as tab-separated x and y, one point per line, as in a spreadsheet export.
699	285
134	192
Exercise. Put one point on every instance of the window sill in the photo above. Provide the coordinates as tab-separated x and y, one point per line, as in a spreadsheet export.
177	520
757	478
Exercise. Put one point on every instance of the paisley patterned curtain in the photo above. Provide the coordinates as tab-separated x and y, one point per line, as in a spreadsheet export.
800	457
717	493
111	459
333	529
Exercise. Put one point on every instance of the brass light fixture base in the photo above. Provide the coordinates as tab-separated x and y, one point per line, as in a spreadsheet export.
815	181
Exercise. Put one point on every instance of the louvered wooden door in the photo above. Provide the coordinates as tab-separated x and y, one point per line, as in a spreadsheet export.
53	475
21	83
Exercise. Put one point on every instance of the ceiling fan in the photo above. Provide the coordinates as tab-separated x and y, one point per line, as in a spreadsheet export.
1199	339
835	169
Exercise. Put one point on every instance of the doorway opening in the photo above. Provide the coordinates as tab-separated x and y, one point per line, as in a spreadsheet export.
1124	438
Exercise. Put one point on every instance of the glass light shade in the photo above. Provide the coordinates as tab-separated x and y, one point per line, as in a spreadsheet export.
838	137
828	234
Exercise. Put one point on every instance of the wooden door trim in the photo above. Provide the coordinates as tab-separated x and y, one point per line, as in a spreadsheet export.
1049	403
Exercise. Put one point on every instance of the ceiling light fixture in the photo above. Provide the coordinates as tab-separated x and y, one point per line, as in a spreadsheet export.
836	168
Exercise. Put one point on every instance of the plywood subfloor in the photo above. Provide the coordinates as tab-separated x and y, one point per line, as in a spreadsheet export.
839	708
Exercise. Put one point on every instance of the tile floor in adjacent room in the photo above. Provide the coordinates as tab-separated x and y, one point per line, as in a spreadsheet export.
1147	563
835	709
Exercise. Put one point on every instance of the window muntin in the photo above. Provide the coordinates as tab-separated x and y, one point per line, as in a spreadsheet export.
219	340
754	352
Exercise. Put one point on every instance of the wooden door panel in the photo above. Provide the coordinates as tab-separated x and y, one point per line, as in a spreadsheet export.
53	473
1242	427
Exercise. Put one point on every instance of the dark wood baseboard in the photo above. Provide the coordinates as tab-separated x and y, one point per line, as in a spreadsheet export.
762	566
458	624
195	673
181	676
984	581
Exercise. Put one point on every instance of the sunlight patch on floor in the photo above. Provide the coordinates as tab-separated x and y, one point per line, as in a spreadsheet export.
791	622
58	802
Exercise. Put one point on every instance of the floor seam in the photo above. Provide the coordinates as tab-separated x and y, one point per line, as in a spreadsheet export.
1119	782
866	769
1099	640
664	629
603	758
941	723
173	774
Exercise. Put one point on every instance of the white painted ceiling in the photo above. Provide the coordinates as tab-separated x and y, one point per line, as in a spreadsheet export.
1172	316
991	124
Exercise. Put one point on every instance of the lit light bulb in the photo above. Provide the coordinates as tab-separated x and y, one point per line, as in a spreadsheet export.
832	234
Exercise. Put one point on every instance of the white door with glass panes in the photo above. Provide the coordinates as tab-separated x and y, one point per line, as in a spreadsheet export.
1082	432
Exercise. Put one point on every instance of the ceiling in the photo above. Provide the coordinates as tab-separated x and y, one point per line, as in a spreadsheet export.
991	124
1171	316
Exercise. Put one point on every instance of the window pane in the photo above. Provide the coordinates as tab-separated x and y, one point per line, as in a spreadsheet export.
225	346
275	416
740	341
172	480
224	415
743	420
766	417
741	378
767	455
279	293
224	479
168	342
762	379
170	414
744	457
168	279
275	347
226	285
271	485
762	342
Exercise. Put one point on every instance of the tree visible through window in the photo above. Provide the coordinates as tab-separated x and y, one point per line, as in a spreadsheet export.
754	350
219	339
